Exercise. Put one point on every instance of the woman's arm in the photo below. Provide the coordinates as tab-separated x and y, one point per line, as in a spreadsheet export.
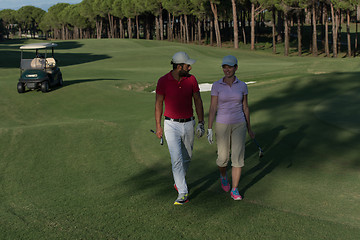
212	110
247	115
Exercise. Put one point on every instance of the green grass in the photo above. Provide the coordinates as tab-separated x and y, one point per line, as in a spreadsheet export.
80	162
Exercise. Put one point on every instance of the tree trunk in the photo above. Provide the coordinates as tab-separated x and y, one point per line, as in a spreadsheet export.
299	36
76	33
216	23
287	35
116	35
169	26
172	27
111	24
181	29
279	37
137	27
121	27
205	29
186	28
314	37
339	21
356	39
147	28
67	33
63	36
274	31
348	32
157	28
199	31
252	26
327	51
211	32
334	30
161	23
191	30
99	28
129	28
307	16
243	27
356	33
236	28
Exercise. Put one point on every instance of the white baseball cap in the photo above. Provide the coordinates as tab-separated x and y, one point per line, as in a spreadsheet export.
229	60
182	57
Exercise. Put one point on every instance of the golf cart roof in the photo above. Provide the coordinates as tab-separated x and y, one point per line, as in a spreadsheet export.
38	46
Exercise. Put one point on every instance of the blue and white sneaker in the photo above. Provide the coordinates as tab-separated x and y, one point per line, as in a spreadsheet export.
235	194
225	184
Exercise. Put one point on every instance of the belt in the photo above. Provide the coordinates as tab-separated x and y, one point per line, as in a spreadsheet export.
180	120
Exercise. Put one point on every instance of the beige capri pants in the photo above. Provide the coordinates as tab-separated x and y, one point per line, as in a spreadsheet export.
234	135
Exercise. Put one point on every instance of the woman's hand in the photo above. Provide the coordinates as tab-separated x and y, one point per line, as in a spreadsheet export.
251	134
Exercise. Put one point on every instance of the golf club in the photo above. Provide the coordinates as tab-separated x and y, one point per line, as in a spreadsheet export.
161	139
261	152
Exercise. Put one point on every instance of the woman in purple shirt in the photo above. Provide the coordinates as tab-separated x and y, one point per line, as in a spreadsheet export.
229	101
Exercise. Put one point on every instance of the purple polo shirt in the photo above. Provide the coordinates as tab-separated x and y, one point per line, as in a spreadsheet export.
230	107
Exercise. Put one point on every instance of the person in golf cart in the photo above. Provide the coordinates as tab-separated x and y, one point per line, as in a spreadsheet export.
177	89
229	100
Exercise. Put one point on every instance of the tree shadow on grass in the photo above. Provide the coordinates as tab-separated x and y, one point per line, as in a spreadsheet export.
10	54
203	183
160	180
69	59
293	108
201	178
11	59
12	43
278	154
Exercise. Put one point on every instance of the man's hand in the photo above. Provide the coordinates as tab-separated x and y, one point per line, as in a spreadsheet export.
200	130
159	132
210	136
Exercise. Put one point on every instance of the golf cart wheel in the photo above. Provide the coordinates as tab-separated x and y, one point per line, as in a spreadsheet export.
21	87
45	86
61	82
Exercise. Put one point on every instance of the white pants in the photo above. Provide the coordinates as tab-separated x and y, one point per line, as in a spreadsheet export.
180	140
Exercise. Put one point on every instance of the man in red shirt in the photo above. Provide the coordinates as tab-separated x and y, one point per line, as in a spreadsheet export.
177	89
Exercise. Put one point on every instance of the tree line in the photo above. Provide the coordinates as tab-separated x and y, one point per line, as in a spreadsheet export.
196	21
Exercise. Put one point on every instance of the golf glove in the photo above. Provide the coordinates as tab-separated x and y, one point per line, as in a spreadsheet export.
210	136
200	130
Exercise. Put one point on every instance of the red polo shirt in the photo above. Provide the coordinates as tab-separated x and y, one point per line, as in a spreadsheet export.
178	95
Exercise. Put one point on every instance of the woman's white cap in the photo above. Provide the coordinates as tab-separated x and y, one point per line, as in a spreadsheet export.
229	60
182	57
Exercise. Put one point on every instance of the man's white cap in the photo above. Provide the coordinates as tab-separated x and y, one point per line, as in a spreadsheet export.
182	57
229	60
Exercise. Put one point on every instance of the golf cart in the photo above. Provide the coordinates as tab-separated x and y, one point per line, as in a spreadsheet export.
41	71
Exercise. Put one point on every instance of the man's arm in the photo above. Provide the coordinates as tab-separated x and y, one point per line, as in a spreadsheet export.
158	113
199	106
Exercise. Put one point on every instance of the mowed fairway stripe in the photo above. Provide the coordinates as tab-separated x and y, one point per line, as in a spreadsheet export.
60	123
